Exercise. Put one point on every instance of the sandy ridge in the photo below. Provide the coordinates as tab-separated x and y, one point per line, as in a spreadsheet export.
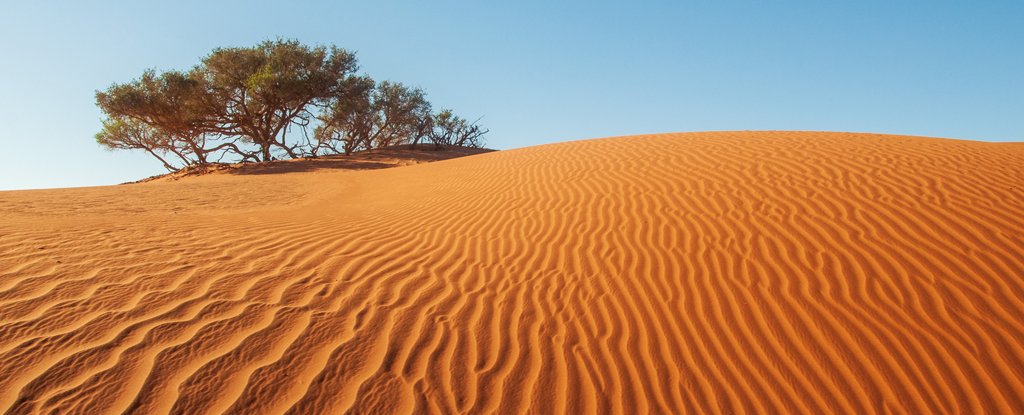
722	272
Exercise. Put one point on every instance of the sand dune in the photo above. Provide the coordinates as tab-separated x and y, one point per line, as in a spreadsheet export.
734	272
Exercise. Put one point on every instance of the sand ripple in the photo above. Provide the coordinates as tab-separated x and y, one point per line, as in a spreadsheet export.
735	272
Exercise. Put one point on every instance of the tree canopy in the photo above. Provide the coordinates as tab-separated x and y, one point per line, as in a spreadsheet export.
278	99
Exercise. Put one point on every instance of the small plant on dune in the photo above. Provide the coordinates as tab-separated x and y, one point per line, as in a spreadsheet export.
278	99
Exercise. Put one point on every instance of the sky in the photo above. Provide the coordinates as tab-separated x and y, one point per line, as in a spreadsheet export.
537	72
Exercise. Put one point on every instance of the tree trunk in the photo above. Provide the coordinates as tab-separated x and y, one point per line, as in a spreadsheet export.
266	152
265	148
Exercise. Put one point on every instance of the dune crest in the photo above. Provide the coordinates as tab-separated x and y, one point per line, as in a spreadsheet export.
728	272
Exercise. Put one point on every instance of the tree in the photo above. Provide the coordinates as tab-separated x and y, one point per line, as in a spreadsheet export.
369	116
260	91
448	129
348	120
174	106
128	134
242	103
397	111
172	101
188	113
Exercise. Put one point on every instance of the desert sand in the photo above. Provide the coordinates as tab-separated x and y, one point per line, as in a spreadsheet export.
728	272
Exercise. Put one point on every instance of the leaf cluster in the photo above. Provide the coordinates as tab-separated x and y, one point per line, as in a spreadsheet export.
260	103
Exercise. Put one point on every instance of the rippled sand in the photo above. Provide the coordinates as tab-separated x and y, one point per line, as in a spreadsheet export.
732	272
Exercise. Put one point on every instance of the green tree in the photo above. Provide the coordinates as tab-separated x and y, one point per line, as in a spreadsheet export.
127	134
261	91
448	129
242	103
369	116
173	105
347	122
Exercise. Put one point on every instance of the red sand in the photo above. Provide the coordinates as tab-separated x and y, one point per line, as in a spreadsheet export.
736	272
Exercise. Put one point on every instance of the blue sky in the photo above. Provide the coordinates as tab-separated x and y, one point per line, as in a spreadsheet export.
539	72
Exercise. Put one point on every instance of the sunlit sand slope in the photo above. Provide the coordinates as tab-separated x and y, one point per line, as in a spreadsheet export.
742	272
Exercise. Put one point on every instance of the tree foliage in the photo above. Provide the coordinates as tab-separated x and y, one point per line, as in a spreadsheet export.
261	91
262	102
373	116
448	129
123	133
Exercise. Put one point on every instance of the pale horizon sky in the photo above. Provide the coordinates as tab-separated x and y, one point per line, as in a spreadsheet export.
537	72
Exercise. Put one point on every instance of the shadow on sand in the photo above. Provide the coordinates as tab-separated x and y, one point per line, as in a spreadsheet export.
363	160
